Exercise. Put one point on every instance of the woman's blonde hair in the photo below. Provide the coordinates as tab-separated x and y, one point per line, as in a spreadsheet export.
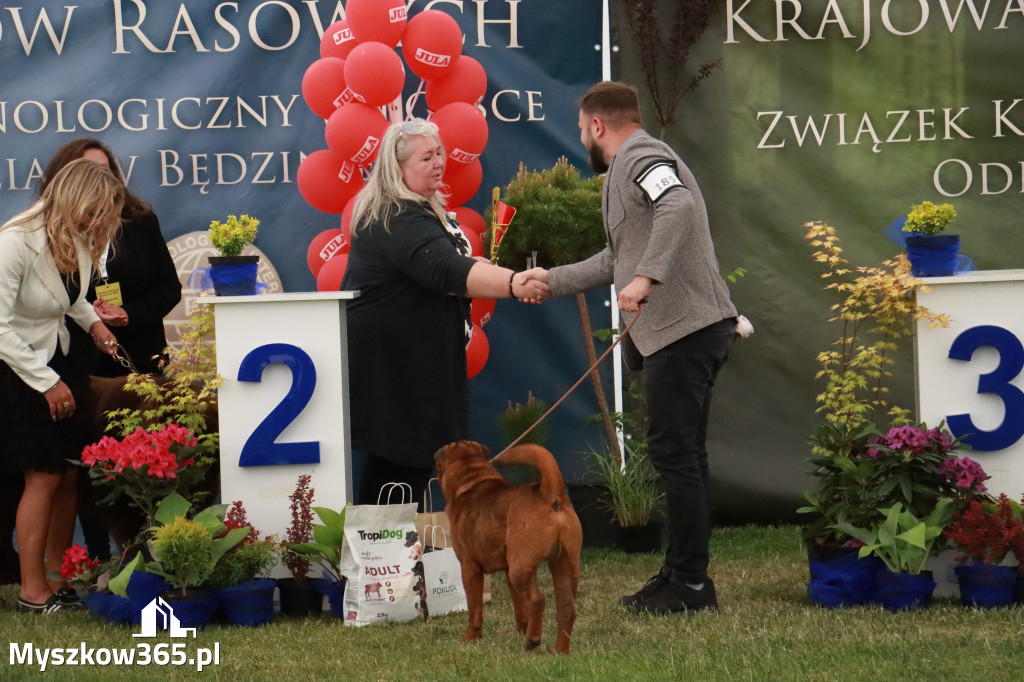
83	202
385	192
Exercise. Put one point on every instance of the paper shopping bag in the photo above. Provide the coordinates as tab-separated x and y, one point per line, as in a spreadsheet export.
380	561
442	574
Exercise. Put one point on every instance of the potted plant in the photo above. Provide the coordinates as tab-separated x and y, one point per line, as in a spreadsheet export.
514	421
299	596
931	253
185	553
558	215
232	273
145	466
985	532
874	311
904	543
325	551
246	598
186	396
632	497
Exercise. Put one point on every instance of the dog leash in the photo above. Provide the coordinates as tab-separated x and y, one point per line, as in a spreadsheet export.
574	386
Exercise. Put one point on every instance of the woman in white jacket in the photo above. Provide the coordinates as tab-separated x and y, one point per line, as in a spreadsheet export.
47	255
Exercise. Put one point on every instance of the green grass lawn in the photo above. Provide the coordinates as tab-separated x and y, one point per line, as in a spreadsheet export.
765	630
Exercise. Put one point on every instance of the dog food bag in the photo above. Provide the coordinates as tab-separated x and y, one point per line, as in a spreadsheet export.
381	564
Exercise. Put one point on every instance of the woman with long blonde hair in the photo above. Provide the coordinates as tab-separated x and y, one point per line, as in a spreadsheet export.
410	325
47	256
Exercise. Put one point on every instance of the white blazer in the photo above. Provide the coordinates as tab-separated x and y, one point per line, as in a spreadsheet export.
33	303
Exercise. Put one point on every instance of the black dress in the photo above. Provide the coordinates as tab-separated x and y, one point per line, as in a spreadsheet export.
407	334
29	438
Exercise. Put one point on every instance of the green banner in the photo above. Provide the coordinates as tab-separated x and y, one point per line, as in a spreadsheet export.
848	112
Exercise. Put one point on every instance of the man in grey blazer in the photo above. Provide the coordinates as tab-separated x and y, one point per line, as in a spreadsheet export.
660	257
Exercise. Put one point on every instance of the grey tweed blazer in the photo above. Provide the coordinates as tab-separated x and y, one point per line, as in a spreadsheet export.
657	225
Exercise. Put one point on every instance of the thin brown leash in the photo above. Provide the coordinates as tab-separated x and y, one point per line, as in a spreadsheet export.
574	386
125	360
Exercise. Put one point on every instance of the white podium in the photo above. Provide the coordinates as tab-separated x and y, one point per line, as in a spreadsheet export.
283	403
970	374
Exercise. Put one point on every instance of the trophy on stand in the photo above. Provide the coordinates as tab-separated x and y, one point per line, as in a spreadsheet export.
501	216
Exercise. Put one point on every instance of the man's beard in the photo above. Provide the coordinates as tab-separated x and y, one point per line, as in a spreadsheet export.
597	162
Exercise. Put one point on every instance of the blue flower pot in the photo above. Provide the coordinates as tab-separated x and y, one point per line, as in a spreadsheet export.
933	255
841	578
986	586
250	604
195	609
334	590
905	591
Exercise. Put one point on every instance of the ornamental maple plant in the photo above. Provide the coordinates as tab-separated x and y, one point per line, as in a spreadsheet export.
146	466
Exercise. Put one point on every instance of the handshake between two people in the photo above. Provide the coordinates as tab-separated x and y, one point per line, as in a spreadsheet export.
531	286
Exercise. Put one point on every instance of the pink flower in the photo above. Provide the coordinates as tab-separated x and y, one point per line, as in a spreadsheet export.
965	473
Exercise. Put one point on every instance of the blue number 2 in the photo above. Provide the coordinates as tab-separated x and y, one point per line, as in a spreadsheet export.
1011	361
260	449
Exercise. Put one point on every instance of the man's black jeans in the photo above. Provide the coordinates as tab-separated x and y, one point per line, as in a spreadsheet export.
678	382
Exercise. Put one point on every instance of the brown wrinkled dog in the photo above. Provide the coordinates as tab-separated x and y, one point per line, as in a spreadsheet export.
497	526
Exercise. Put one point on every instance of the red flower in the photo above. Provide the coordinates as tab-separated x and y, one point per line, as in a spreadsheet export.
77	562
147	451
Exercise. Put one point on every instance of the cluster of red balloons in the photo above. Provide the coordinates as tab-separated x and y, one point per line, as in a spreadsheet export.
359	72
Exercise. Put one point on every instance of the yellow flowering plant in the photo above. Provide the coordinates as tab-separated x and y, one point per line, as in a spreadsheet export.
230	237
928	218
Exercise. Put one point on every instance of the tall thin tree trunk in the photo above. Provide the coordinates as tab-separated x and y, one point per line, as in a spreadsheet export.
595	377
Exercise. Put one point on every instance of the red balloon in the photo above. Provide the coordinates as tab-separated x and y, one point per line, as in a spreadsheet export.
354	132
476	248
374	73
383	21
323	85
462	180
469	220
463	129
466	82
338	40
333	271
346	218
432	44
325	246
481	309
476	353
327	181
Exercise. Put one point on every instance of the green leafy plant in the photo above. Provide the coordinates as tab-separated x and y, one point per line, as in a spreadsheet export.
230	237
185	395
186	551
252	557
517	418
928	218
328	538
558	221
903	541
633	494
875	311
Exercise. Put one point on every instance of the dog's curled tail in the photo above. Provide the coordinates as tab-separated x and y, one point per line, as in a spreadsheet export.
552	486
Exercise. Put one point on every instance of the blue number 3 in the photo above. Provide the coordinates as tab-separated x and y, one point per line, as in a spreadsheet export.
260	449
1011	361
